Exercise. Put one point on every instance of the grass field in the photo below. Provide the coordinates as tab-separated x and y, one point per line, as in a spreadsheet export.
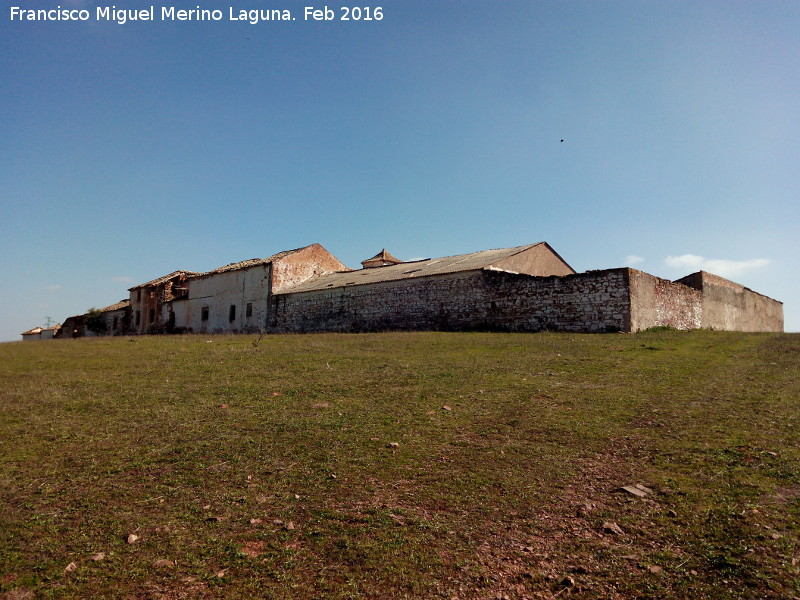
408	465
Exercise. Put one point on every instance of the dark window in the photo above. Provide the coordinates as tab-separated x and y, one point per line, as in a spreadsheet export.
152	315
138	317
116	322
204	313
232	313
139	295
249	310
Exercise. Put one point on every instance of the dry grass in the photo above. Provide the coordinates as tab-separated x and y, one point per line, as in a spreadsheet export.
266	470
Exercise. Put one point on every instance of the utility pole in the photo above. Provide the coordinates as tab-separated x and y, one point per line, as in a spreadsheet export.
47	325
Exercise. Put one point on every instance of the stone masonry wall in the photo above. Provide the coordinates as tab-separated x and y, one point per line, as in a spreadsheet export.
659	302
597	301
729	306
594	302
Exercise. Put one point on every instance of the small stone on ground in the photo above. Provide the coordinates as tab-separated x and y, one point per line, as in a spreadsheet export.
163	563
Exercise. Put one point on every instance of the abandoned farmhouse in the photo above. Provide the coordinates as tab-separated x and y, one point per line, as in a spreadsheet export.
526	288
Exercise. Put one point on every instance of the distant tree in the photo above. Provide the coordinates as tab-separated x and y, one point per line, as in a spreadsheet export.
95	322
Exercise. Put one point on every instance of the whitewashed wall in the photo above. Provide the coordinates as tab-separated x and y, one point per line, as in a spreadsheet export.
219	292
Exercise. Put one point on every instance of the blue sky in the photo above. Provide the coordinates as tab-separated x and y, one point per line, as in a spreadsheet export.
129	151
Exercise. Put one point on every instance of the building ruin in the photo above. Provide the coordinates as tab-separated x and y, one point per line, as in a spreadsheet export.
524	288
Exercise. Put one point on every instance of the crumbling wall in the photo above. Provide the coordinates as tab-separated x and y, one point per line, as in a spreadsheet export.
147	301
117	321
657	302
145	310
174	314
594	302
302	265
729	306
74	327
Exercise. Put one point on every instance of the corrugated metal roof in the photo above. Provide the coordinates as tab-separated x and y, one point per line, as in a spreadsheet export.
34	331
421	268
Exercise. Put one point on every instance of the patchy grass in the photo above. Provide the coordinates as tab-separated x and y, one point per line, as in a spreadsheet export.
413	465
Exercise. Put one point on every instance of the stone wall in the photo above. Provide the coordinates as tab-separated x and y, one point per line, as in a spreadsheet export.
729	306
597	301
657	302
423	303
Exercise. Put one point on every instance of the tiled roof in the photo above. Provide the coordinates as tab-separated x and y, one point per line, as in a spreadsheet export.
165	278
252	262
382	256
246	264
125	303
34	331
421	268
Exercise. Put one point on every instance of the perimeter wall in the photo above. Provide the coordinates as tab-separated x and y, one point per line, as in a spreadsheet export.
729	306
597	301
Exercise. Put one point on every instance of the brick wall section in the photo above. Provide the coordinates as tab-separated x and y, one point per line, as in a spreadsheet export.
597	301
302	265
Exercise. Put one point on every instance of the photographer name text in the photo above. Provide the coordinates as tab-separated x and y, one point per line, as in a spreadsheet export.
121	16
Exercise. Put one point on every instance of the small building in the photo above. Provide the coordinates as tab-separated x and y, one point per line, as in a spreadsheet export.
41	333
48	333
32	335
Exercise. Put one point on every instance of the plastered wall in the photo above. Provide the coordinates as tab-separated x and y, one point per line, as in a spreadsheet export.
218	292
657	302
730	306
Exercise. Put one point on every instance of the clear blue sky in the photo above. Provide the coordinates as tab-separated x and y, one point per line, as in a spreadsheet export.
129	151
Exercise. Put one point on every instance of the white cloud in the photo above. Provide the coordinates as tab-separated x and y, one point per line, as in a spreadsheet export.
718	266
632	259
685	261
